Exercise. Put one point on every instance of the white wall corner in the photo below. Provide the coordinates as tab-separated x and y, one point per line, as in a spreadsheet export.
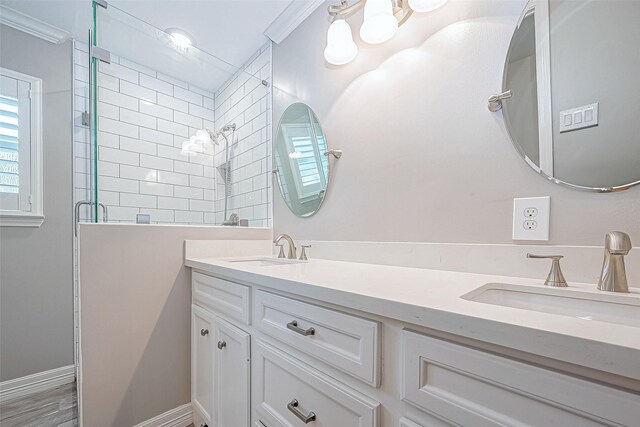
35	383
182	416
290	18
33	26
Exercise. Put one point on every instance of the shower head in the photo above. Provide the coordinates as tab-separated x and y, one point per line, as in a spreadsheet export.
225	128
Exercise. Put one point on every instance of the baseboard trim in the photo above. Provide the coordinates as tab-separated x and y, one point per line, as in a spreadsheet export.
35	383
181	416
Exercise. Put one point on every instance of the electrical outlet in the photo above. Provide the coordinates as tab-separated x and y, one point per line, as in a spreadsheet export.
531	218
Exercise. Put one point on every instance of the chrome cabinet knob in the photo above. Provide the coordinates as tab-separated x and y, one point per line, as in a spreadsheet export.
221	344
204	332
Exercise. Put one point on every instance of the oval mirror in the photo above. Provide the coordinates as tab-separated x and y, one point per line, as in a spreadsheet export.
301	165
573	111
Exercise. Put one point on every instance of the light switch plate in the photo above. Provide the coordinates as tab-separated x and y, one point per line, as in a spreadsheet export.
579	118
531	218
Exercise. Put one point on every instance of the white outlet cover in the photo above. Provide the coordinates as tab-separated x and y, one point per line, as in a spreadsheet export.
520	219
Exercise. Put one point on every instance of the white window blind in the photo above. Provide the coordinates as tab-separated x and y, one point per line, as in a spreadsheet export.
20	149
9	145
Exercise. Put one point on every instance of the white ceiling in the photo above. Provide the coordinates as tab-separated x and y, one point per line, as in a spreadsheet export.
231	30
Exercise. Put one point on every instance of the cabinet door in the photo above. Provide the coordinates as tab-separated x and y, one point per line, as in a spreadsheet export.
232	373
202	352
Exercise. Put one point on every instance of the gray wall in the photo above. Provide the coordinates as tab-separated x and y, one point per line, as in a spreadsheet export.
595	58
36	264
424	160
136	318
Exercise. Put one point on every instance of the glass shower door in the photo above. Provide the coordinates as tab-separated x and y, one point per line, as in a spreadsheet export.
163	145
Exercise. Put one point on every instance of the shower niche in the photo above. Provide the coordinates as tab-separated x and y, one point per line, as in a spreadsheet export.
169	133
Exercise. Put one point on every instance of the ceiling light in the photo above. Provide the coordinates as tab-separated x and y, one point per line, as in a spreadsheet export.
340	48
379	23
426	5
180	38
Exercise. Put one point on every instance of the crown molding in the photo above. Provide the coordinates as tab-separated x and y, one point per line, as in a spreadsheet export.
290	18
30	25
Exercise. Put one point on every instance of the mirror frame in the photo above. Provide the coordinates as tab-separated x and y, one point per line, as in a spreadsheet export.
531	4
275	166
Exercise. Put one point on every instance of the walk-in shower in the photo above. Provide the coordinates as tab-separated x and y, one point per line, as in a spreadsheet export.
139	109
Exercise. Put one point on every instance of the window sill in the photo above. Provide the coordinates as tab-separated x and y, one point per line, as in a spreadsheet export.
18	220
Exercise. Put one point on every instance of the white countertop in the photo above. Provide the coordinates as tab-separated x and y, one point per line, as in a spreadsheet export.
432	299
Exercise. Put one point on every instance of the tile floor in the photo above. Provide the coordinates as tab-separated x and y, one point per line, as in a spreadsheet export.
51	408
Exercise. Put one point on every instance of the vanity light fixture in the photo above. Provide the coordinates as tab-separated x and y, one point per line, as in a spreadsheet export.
341	48
381	21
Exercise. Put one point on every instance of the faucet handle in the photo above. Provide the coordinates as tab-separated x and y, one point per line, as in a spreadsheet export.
303	254
617	243
281	253
555	277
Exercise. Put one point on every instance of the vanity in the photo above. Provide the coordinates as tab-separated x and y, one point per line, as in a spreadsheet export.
278	342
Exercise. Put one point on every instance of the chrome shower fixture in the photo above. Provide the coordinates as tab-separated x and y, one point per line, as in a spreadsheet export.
226	128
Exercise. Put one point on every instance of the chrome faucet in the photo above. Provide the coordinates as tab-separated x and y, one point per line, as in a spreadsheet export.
292	247
614	277
233	220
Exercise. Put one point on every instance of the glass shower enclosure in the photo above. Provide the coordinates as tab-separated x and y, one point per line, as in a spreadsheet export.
167	133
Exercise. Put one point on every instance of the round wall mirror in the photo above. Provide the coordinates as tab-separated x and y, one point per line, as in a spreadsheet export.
301	161
573	112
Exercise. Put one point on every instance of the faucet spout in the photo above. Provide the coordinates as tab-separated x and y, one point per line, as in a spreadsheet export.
292	246
614	276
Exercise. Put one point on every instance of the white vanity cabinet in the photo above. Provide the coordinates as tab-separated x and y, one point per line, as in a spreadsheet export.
202	377
263	357
220	353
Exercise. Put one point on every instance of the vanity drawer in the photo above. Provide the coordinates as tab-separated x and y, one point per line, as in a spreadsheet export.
348	343
472	387
228	299
288	391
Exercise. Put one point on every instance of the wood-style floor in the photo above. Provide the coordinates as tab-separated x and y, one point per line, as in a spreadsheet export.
51	408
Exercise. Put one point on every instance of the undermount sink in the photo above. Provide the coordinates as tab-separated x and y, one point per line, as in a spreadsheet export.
265	261
623	309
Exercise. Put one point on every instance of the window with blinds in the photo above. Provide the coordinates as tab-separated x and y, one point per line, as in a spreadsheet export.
21	185
9	145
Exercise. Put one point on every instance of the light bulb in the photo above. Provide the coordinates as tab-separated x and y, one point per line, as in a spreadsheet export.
426	5
379	23
340	48
202	137
187	149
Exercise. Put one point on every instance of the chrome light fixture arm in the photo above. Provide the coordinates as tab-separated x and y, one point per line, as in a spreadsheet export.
401	9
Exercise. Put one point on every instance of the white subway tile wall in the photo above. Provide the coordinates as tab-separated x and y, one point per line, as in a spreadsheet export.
247	103
143	118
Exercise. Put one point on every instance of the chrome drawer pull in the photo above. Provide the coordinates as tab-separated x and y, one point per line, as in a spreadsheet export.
204	332
221	344
293	407
293	325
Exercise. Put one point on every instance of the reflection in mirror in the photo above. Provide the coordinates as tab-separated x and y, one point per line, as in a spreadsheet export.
301	166
571	68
